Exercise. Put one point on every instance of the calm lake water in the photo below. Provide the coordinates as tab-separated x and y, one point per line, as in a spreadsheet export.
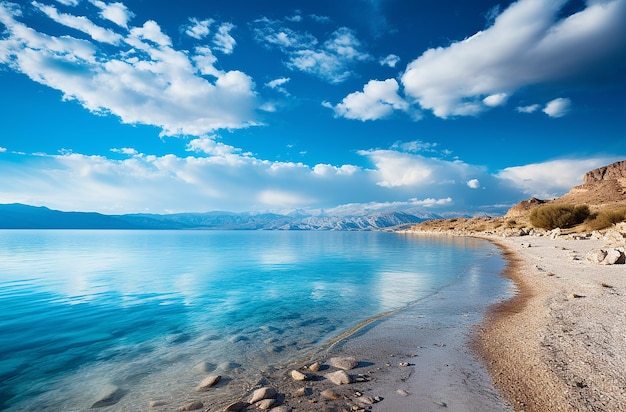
153	312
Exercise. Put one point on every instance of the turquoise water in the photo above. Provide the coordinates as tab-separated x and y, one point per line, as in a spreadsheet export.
152	312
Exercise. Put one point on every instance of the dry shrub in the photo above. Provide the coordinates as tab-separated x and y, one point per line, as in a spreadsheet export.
605	219
564	216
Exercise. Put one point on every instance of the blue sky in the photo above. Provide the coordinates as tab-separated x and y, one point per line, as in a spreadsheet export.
160	106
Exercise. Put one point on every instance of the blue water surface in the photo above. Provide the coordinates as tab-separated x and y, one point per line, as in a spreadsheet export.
152	311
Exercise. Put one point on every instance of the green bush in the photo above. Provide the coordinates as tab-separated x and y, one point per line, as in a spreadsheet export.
564	216
605	218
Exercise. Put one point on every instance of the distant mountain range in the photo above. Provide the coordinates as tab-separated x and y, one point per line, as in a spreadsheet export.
19	216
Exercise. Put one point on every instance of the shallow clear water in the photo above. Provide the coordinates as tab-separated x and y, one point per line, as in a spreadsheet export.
152	312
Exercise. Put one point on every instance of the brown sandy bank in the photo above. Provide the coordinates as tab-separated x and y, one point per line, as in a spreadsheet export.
560	345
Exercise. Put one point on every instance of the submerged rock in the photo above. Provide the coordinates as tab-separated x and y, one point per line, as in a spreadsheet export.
191	406
208	382
110	397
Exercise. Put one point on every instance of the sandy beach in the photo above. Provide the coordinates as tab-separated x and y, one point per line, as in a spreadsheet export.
558	345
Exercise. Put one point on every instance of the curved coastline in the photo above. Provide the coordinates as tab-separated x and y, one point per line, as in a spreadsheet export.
558	344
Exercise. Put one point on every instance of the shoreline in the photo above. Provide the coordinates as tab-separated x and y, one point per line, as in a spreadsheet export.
560	344
420	356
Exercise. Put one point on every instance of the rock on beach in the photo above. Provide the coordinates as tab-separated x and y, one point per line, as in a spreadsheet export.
345	363
340	377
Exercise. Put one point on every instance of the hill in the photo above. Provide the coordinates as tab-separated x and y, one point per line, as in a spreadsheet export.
603	190
19	216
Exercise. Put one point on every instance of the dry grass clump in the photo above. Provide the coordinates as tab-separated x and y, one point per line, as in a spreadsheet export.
563	216
605	218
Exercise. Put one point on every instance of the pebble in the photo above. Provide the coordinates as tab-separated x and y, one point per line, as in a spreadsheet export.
263	393
315	367
298	376
302	392
236	407
191	406
402	392
154	404
345	363
339	377
330	394
208	382
110	397
265	403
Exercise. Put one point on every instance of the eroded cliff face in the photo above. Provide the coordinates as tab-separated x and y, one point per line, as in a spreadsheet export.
615	171
602	187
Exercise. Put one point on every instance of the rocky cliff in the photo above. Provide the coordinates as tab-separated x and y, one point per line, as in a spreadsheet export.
602	187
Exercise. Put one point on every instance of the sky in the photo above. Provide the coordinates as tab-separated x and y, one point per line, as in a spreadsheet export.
155	106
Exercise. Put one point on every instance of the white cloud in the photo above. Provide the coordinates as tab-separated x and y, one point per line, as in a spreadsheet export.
198	29
473	183
81	23
223	41
430	202
277	83
558	107
390	60
209	145
69	2
151	31
553	178
495	100
528	109
415	146
3	149
273	33
116	12
332	61
144	81
125	150
215	176
455	80
399	169
377	100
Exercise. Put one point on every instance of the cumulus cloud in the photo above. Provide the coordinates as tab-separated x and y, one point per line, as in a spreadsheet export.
223	41
495	100
473	183
461	79
400	169
553	178
144	80
558	107
116	12
198	29
377	100
390	60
